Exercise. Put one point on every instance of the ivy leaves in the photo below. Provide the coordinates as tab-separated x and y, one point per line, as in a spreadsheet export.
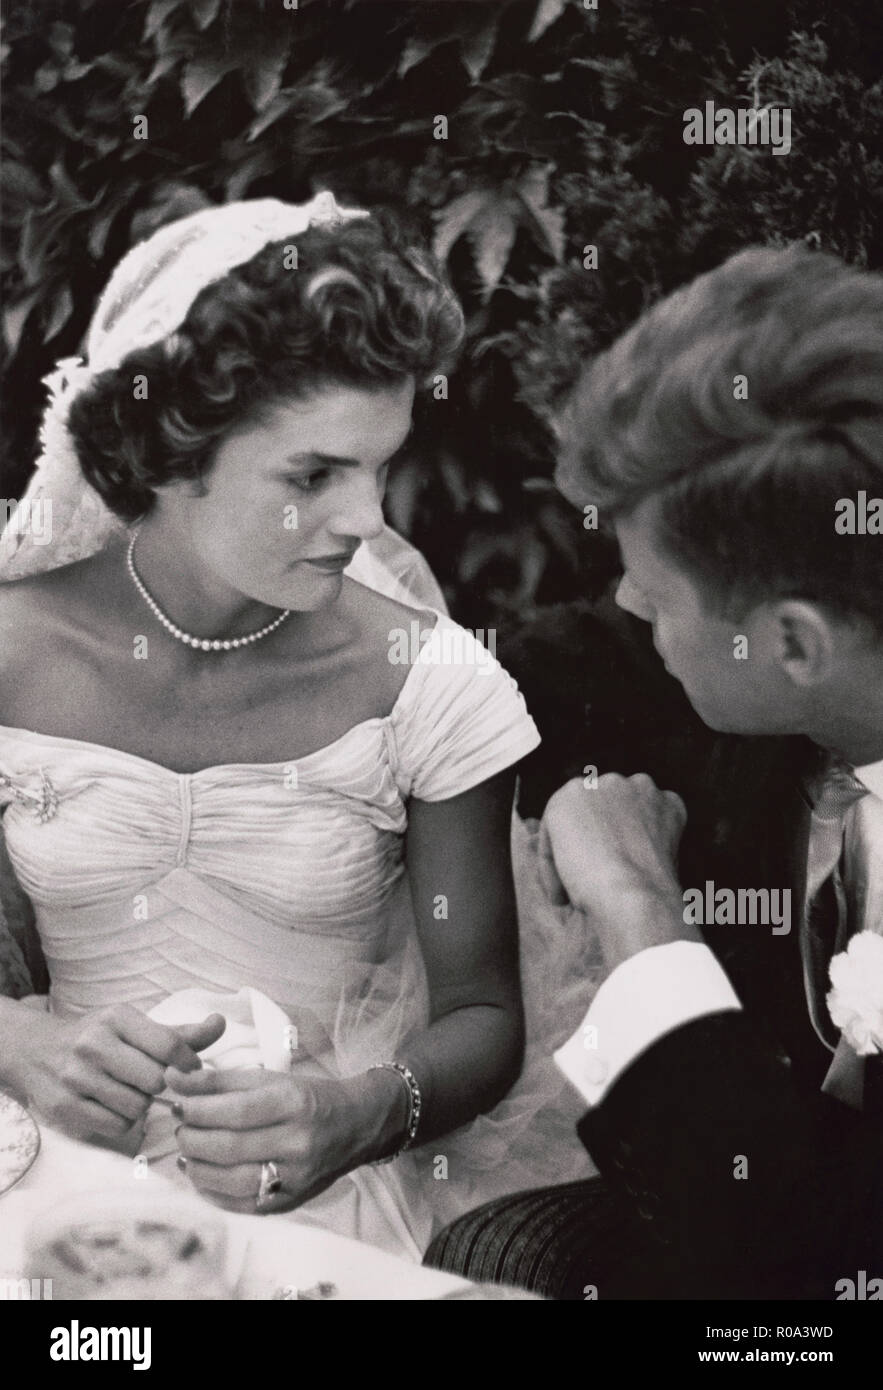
563	128
490	218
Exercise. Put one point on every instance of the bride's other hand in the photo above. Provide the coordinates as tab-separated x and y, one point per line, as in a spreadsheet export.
94	1077
314	1130
610	850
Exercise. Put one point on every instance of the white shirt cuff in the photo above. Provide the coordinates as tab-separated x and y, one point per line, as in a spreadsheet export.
648	995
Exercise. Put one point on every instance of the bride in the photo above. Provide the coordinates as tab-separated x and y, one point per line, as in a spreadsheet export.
246	831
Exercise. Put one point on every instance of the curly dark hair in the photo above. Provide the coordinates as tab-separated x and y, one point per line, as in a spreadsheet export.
364	307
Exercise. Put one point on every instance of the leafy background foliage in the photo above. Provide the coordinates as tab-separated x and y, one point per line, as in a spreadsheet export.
564	129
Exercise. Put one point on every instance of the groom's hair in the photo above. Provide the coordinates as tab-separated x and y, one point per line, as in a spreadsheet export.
749	402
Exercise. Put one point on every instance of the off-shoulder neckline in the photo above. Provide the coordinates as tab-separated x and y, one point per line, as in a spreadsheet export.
375	720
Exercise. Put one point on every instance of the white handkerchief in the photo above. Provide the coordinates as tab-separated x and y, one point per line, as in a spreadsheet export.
256	1033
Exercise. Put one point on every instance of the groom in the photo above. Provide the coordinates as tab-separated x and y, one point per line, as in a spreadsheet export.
734	438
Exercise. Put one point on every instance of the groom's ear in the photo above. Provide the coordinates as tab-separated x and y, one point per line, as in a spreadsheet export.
805	641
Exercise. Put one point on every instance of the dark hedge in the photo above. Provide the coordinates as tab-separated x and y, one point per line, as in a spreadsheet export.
565	128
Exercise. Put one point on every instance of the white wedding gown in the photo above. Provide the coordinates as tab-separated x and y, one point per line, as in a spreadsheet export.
289	878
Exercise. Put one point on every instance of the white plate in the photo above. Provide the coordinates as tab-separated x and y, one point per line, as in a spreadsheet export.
266	1258
19	1142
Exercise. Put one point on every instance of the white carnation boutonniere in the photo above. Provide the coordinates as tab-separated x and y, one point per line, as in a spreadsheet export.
856	1001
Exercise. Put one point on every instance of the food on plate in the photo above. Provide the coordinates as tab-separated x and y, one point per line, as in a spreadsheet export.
129	1246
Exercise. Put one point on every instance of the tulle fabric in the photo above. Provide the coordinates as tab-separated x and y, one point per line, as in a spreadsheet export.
348	1017
529	1139
146	882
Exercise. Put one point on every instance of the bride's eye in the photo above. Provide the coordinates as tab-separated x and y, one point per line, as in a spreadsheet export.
312	481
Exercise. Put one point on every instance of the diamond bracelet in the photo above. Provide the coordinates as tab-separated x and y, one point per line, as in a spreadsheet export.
415	1105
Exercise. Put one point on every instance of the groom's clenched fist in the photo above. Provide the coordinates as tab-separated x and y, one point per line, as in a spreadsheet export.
610	851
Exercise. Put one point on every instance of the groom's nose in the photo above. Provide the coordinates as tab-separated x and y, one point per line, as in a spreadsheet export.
629	597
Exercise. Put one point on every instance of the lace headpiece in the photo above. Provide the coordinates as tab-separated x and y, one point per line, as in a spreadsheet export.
61	518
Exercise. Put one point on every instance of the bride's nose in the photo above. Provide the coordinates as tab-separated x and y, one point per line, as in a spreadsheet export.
359	511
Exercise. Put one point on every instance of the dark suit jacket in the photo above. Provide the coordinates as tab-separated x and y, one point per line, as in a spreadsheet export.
671	1130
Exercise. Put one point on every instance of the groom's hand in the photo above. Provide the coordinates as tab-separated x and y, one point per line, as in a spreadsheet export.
610	851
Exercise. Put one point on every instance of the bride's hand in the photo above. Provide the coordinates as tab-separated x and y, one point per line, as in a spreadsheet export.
94	1077
314	1130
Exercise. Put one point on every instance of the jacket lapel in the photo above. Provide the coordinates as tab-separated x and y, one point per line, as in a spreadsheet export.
767	970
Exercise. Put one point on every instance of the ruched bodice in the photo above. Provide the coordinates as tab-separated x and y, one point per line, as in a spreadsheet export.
290	878
315	839
287	876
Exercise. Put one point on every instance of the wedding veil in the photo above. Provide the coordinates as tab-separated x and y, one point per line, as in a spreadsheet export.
61	518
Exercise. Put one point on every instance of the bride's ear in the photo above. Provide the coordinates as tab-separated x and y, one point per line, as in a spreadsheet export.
181	487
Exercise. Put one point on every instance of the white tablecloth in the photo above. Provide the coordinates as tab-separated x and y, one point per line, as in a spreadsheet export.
265	1253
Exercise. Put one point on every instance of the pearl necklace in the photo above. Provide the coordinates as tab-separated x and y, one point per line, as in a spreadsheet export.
205	644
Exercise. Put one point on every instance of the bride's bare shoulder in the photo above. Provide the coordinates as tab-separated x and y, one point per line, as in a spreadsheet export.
39	604
382	618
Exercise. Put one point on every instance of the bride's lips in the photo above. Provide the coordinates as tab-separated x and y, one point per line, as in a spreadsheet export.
330	564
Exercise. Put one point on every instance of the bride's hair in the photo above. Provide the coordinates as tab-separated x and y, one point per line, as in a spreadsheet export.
357	306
